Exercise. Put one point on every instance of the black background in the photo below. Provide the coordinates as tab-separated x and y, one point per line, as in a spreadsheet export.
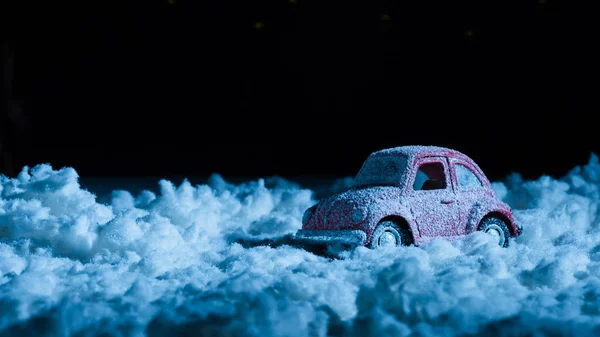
305	87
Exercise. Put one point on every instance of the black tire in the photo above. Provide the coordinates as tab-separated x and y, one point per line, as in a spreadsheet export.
496	226
389	233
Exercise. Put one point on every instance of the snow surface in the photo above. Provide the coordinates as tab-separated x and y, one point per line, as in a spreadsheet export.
188	261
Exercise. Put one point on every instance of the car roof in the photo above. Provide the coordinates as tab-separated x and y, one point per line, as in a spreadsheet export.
415	151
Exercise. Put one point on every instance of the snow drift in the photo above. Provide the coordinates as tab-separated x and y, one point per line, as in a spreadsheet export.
182	262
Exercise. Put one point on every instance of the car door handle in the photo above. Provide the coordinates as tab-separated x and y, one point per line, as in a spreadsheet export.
447	202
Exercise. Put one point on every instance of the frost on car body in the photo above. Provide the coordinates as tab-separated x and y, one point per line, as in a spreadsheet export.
410	195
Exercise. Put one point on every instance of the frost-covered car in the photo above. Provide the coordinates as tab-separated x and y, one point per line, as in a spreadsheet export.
410	195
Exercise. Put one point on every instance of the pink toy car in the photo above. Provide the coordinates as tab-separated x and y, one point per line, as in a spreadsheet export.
410	195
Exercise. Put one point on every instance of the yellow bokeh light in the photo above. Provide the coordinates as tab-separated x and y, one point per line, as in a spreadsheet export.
468	32
258	25
293	2
171	2
385	17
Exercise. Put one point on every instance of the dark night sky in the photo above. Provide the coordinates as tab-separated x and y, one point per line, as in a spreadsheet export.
305	87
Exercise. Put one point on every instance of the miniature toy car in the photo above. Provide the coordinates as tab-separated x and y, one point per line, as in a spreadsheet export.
410	195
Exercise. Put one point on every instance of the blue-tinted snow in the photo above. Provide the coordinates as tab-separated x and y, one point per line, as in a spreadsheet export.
169	263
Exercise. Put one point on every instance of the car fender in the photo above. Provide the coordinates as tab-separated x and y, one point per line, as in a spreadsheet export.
482	209
378	211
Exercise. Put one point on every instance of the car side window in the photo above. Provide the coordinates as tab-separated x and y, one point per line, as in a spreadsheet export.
467	180
430	176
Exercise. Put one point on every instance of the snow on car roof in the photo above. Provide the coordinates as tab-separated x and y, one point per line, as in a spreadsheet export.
420	150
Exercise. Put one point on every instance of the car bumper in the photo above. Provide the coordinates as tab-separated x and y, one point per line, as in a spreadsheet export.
519	229
332	237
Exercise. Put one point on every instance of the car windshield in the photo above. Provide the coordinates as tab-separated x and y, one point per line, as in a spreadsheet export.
381	170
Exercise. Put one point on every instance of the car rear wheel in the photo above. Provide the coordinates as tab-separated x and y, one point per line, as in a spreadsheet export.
497	228
389	234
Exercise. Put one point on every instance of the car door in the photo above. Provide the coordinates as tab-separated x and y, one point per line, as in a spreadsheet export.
469	190
431	198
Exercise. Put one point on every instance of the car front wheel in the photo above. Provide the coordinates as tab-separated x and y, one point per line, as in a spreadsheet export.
497	228
389	234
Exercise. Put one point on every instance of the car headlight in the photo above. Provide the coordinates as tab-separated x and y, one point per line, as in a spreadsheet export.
307	214
358	215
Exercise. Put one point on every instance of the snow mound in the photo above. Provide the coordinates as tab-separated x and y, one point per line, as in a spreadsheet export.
179	262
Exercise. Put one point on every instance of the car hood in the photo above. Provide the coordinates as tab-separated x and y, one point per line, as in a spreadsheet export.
366	195
335	212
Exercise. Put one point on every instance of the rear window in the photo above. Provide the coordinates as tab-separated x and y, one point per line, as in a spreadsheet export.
467	180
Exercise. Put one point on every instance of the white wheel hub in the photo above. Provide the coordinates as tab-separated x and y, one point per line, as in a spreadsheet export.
497	233
387	239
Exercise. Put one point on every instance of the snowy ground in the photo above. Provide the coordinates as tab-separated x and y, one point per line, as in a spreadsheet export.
181	262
